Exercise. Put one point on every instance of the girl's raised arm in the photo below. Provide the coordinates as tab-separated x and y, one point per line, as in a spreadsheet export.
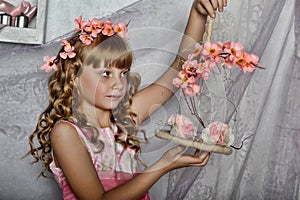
149	99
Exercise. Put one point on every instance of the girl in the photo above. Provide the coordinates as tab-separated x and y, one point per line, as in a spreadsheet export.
87	136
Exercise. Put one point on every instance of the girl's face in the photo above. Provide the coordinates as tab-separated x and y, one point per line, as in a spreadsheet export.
102	87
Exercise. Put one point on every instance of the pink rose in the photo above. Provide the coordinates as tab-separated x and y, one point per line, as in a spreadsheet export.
218	133
181	126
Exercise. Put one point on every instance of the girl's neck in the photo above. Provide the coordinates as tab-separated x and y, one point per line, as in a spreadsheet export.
96	117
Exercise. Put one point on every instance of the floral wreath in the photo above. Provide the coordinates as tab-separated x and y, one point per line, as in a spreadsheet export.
217	136
87	33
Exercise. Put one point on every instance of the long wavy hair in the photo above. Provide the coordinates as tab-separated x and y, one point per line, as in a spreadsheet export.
64	101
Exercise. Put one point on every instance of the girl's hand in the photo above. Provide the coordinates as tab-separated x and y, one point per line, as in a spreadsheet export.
209	7
174	158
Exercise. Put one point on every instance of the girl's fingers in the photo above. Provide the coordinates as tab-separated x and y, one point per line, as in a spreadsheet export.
215	3
225	3
201	9
207	7
202	159
204	155
197	153
220	5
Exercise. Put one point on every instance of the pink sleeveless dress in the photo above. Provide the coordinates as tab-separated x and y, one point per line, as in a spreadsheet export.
113	165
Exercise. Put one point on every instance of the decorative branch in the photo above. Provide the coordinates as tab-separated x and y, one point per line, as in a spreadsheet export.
210	23
165	134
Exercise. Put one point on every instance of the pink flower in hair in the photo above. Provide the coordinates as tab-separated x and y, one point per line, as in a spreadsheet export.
68	50
100	25
121	29
93	27
108	30
50	64
80	23
86	38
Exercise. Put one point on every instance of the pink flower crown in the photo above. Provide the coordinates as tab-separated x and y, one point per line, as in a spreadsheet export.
88	32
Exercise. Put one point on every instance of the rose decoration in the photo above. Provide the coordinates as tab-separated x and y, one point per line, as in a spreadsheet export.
218	133
181	126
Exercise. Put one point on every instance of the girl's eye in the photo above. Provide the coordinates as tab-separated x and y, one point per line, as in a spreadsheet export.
105	73
125	73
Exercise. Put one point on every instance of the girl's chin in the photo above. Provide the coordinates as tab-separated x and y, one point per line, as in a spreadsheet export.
112	105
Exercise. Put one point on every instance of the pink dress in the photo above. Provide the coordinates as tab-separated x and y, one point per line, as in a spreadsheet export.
113	166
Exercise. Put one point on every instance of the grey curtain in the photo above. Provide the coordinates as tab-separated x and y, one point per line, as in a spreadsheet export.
266	103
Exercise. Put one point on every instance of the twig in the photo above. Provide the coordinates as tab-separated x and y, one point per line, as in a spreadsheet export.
210	23
165	134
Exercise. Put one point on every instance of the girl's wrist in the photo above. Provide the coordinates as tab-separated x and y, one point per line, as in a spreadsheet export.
161	167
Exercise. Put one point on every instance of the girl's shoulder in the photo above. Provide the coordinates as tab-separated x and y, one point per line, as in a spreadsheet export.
65	128
64	124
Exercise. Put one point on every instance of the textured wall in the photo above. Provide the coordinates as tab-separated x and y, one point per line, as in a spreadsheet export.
61	14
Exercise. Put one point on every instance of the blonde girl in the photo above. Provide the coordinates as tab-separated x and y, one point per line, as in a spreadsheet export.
87	136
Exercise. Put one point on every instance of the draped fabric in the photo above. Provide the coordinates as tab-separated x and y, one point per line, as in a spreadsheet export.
266	103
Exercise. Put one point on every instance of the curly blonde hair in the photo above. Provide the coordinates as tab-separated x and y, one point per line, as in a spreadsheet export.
63	96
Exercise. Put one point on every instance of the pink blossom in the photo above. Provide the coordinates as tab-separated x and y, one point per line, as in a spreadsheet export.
181	126
234	51
92	27
203	71
190	67
250	62
80	23
218	133
191	90
177	82
181	79
68	50
213	51
86	38
108	30
50	64
121	29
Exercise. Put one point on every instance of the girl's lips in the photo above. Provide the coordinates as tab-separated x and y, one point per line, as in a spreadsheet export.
114	96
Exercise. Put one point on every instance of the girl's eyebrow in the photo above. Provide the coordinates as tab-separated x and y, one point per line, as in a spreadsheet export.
101	69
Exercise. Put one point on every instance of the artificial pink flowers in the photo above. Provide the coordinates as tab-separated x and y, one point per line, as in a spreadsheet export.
50	64
87	33
218	133
181	126
68	50
205	57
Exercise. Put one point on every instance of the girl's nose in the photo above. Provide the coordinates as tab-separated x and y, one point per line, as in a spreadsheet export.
117	83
